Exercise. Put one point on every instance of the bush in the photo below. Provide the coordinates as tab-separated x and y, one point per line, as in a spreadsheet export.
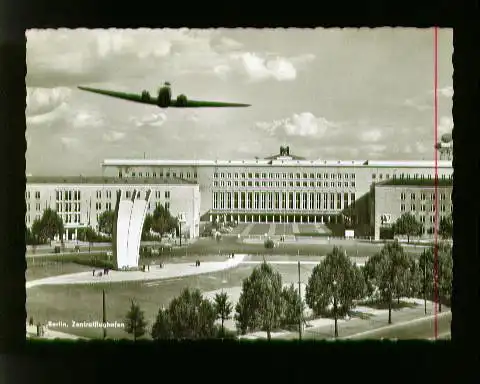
269	244
386	233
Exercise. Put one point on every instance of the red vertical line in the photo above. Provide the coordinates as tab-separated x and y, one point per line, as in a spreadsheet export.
436	225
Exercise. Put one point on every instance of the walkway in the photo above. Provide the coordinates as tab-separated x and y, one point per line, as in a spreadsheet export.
155	273
247	230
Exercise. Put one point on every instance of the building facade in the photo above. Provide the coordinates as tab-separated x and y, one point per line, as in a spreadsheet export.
421	198
278	189
81	200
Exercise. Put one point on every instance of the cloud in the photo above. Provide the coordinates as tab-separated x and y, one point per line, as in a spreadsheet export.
86	118
445	125
70	57
151	120
259	68
372	135
41	101
303	124
446	91
113	136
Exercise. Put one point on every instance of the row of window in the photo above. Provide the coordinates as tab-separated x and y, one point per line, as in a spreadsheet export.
264	175
408	176
282	200
305	184
61	195
423	208
27	195
423	196
161	174
70	212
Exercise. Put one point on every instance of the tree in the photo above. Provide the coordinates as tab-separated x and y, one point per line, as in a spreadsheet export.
48	226
223	308
446	227
269	244
162	221
260	304
106	222
408	225
191	316
294	307
135	323
162	328
390	272
444	272
321	290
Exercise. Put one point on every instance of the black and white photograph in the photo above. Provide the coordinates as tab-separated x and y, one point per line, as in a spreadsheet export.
260	184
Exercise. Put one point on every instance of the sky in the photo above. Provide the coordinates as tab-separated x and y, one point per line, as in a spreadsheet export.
333	94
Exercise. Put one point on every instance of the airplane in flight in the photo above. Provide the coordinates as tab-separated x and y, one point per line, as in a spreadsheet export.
163	99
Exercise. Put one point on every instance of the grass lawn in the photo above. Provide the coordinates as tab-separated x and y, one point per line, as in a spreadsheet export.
84	302
53	268
419	330
229	244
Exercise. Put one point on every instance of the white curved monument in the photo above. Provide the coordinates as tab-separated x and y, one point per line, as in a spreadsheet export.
129	218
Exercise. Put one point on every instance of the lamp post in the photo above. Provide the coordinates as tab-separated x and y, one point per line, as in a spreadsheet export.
335	306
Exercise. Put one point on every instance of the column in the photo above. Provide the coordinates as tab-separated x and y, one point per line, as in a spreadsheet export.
315	219
66	234
231	218
273	218
211	218
252	219
238	218
218	218
301	218
76	234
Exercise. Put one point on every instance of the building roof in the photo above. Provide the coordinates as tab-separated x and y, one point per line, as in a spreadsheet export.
277	161
106	180
415	183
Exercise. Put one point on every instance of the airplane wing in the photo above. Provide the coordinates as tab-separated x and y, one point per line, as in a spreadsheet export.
175	103
122	95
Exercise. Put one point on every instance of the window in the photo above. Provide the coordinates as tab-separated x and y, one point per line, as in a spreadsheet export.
312	184
353	175
305	176
167	206
167	194
298	175
319	175
352	183
236	175
374	176
423	208
167	174
189	175
312	175
98	206
120	174
174	174
181	175
37	206
222	175
99	194
412	207
127	194
229	176
139	174
305	184
423	196
412	196
345	184
37	194
332	184
109	194
402	196
264	175
195	175
325	184
339	184
250	175
133	174
442	196
402	207
325	175
257	175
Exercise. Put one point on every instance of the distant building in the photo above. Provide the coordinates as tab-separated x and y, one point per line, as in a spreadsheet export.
395	197
80	200
280	188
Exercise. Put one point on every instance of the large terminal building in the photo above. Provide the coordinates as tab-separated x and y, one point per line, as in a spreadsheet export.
279	189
